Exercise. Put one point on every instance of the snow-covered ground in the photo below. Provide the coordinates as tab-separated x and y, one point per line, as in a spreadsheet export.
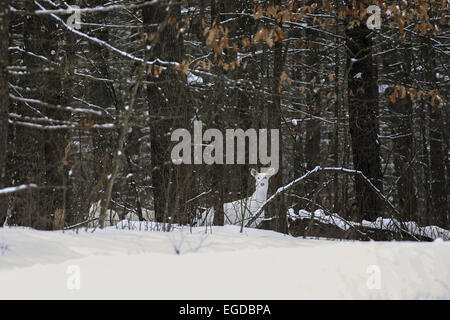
221	264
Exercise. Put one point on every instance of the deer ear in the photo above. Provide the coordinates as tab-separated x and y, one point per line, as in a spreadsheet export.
271	171
253	172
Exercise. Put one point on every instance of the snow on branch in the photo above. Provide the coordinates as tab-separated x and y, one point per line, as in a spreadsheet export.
54	106
34	55
59	126
199	195
70	10
25	187
18	188
35	119
107	45
52	124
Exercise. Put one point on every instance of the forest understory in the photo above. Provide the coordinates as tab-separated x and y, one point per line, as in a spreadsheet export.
352	95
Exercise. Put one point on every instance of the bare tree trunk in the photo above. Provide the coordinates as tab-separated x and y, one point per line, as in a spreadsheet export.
403	137
164	98
338	204
313	134
403	158
43	157
278	210
4	102
102	94
363	122
439	188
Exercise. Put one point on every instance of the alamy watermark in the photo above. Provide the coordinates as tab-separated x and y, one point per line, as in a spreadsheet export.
213	151
74	280
374	280
74	21
374	21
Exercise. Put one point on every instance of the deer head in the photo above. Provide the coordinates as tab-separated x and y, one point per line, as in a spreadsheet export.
262	179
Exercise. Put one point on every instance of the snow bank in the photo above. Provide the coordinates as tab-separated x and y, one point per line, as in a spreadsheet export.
220	264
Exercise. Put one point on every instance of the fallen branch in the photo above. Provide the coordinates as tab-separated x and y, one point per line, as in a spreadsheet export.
318	170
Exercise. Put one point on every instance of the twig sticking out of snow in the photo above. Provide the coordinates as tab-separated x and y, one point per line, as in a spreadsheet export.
3	248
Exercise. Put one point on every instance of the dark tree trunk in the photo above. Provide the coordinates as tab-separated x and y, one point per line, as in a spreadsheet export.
313	134
312	142
56	146
403	158
4	102
403	136
439	191
337	184
363	122
102	94
425	174
165	98
439	205
217	170
41	153
278	209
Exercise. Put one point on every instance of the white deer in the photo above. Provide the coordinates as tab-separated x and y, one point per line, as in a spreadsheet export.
235	212
243	210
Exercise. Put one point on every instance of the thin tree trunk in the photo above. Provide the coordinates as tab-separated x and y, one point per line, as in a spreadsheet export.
164	97
4	102
278	210
403	137
44	159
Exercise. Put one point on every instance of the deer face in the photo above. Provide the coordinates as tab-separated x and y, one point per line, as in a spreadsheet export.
262	178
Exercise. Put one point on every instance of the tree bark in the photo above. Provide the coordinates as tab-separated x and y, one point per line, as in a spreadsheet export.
402	134
43	156
278	210
164	98
4	103
363	122
439	204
